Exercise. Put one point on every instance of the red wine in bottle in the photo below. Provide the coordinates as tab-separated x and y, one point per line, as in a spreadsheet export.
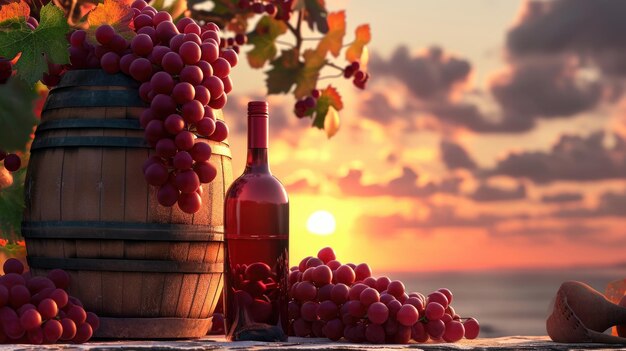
256	227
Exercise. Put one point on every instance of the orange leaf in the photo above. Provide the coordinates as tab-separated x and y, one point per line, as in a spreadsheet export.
334	99
116	13
362	38
333	40
13	10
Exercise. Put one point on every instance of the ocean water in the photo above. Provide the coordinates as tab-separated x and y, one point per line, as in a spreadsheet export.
507	302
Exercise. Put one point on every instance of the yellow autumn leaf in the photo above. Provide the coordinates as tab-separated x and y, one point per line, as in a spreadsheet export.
115	13
331	122
333	40
362	38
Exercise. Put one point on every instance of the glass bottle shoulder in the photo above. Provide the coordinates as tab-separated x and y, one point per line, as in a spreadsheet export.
258	187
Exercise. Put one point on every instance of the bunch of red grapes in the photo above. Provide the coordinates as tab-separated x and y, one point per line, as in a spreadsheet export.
307	104
334	300
279	9
12	162
184	75
359	77
38	310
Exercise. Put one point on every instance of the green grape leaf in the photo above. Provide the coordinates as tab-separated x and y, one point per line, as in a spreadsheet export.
263	38
362	38
12	206
310	72
16	114
328	97
333	40
316	14
47	41
115	13
284	72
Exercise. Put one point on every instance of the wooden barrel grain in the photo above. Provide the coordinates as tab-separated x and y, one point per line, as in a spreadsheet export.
148	271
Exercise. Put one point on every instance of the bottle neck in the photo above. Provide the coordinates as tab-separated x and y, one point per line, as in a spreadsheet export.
257	159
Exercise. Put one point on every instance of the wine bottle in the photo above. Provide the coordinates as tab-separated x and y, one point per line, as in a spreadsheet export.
256	228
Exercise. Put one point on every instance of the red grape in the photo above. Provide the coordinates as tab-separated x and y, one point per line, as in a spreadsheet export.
326	255
69	329
183	92
141	69
206	171
104	34
192	75
18	296
190	202
47	308
168	195
12	162
434	311
230	56
174	124
13	265
345	274
472	328
192	111
209	51
378	313
60	278
166	148
375	334
162	16
162	83
83	333
156	174
395	288
202	95
52	331
407	315
190	53
184	140
183	161
221	131
218	103
60	297
142	44
187	182
30	319
172	63
368	296
110	62
439	298
435	328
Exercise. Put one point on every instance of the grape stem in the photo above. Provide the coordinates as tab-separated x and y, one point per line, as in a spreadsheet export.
284	43
331	76
297	30
334	66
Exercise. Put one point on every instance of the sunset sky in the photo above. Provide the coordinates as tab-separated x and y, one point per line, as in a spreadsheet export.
492	134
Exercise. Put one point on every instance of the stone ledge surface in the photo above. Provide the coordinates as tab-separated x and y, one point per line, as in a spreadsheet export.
218	343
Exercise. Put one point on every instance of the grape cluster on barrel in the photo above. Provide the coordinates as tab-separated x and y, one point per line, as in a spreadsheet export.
184	76
334	300
38	310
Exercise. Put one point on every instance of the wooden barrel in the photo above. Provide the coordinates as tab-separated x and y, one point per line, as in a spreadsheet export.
147	270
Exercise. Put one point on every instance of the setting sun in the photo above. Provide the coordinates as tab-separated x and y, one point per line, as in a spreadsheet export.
321	223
